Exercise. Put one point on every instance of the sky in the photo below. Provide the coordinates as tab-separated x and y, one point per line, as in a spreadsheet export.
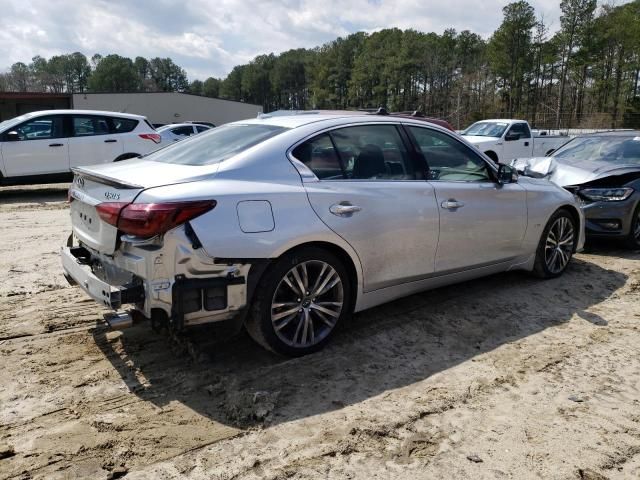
208	38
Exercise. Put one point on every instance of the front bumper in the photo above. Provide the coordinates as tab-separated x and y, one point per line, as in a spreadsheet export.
609	219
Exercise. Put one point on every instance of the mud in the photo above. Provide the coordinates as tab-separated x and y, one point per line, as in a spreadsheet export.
504	377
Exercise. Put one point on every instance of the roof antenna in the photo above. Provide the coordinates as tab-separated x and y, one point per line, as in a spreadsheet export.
382	111
417	113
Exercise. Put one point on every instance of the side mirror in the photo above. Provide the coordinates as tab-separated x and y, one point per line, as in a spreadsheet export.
507	174
510	137
12	136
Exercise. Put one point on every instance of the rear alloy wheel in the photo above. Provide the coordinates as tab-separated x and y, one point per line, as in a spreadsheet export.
300	302
556	246
633	240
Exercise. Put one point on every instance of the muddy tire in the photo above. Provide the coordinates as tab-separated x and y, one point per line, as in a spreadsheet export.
556	245
300	302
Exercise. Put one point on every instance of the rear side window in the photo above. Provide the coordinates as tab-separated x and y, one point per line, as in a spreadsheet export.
319	155
201	129
123	125
520	129
222	143
84	126
373	152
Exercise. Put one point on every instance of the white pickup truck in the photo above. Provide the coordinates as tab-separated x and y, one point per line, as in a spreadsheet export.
502	140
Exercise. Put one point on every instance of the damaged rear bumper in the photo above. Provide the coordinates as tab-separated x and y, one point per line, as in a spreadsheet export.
172	280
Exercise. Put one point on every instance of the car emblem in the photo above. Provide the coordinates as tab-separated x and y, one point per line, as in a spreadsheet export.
79	181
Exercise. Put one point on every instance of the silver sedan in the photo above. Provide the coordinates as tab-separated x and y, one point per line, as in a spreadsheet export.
287	225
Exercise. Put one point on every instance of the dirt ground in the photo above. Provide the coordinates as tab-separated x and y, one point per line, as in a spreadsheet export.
504	377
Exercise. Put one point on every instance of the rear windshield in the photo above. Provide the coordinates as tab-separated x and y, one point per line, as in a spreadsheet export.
216	145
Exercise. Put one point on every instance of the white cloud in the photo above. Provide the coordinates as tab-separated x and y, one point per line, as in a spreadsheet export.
210	37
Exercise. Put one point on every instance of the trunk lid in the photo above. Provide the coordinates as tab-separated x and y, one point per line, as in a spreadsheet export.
119	183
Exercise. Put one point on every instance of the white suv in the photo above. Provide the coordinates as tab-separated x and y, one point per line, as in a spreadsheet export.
44	146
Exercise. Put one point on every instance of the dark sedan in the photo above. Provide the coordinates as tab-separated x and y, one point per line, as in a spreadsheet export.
603	170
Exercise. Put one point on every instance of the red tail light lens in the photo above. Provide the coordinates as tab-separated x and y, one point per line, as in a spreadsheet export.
110	211
150	219
155	137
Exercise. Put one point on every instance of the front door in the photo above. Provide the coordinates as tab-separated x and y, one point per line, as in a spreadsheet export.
517	143
41	148
370	193
481	222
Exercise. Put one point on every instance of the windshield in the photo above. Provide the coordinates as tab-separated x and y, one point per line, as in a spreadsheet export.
216	145
622	150
486	129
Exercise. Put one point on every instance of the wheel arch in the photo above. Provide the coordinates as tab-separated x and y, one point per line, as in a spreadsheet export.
126	156
351	265
575	214
492	155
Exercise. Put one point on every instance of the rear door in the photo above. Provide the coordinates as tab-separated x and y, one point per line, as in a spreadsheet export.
41	149
481	222
369	190
93	140
517	142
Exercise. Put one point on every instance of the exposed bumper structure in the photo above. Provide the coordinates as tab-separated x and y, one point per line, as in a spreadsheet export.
171	278
75	262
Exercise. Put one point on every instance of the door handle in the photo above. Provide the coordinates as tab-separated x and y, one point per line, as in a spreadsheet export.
526	144
56	144
344	209
111	140
452	204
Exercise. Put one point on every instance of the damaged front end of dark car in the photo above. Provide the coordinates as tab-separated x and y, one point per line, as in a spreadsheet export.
603	172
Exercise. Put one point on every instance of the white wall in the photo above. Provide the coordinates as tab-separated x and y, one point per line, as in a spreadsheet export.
168	107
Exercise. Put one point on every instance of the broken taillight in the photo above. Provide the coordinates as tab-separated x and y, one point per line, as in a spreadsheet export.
150	219
155	137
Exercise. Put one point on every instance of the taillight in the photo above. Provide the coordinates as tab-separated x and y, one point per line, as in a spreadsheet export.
110	211
150	219
155	137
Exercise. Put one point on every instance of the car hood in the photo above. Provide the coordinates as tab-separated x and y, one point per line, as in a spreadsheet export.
474	139
566	172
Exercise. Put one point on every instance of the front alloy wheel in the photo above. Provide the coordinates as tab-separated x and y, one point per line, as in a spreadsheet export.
559	245
300	302
556	246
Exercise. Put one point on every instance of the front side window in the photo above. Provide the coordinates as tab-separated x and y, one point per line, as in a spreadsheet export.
521	130
448	159
216	146
84	126
182	131
40	128
373	152
201	128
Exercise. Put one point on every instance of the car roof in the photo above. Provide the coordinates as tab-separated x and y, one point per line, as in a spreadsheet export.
174	125
86	112
300	118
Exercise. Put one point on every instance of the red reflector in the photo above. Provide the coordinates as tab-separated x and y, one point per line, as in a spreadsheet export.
151	136
150	219
109	211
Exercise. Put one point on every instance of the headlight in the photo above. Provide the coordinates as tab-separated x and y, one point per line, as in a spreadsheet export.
607	194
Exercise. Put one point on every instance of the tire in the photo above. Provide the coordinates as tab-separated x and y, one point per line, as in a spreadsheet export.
287	322
633	239
556	245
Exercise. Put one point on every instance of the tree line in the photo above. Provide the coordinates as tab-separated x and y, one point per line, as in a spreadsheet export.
586	74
